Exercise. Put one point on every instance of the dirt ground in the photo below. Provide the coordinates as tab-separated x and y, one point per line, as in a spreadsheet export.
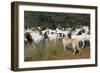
85	53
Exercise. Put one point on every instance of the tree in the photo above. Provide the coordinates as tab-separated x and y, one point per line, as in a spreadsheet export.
50	19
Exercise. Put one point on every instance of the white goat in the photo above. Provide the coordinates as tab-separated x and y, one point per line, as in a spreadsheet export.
86	28
84	37
37	37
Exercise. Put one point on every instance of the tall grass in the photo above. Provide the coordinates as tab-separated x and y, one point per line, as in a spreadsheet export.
47	51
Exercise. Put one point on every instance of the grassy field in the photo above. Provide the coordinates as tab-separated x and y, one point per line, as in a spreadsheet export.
52	51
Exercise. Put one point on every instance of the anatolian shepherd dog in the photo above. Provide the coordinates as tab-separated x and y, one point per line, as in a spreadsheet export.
68	41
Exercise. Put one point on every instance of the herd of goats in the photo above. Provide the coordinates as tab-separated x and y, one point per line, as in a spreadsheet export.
67	36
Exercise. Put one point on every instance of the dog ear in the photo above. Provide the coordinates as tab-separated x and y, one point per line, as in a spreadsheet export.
69	35
63	35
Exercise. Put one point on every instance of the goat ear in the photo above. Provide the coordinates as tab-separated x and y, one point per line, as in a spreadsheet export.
40	33
83	31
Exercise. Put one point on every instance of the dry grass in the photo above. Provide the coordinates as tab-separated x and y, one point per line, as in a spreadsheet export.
52	51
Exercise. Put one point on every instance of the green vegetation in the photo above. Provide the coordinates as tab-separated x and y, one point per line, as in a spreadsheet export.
34	19
52	51
49	51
